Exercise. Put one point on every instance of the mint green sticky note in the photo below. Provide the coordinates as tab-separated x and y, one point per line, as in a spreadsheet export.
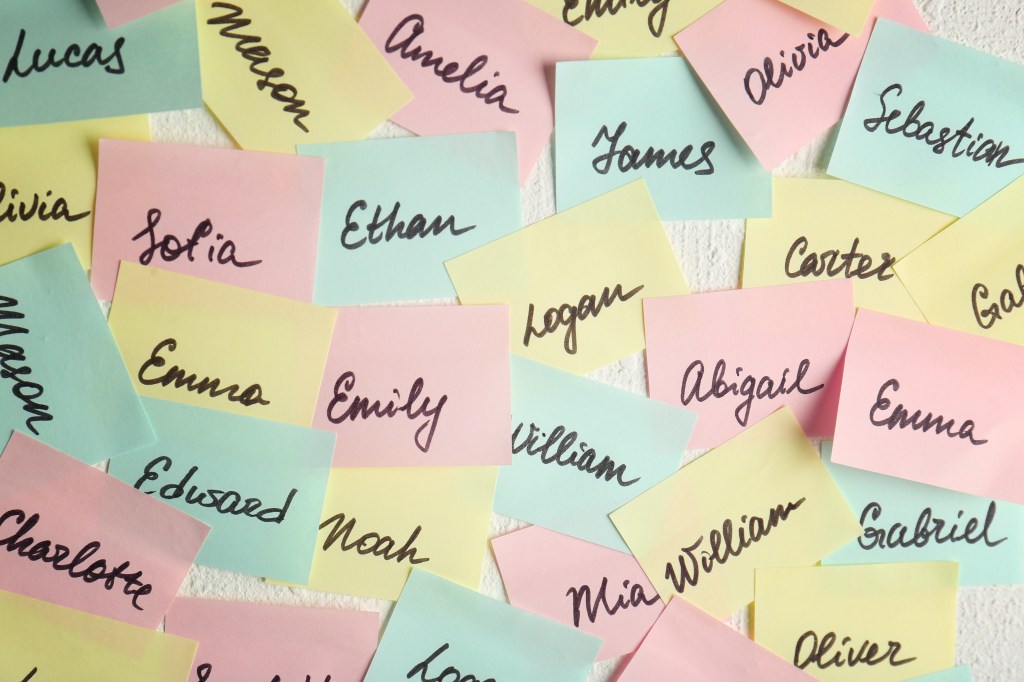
62	379
909	521
617	120
961	673
148	65
932	122
582	449
258	484
438	625
394	210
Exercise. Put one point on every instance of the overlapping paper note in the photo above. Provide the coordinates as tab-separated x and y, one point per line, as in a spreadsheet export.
961	673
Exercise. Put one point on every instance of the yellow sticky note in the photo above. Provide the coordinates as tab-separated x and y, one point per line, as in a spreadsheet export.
874	622
211	345
970	276
278	74
575	281
48	183
635	29
378	524
830	229
847	15
762	499
63	644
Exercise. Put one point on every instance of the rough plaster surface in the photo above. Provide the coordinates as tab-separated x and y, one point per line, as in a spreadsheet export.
991	619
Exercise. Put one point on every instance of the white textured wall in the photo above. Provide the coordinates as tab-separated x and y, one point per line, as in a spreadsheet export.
991	619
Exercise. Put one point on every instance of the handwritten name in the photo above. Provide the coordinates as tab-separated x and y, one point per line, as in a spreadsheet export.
370	543
74	57
361	408
56	555
582	457
629	158
583	599
13	366
31	674
851	264
749	387
598	8
722	545
256	53
912	127
422	667
926	530
205	671
170	248
222	501
986	317
568	315
758	81
15	211
390	227
818	652
900	418
402	40
252	395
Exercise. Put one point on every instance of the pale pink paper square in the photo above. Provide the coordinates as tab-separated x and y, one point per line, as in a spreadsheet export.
258	641
566	579
688	644
117	12
268	205
521	43
78	504
956	375
739	35
457	351
758	332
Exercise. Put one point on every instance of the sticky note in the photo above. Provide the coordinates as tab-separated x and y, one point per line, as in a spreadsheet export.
79	538
48	642
688	643
96	72
248	219
582	449
953	428
258	484
574	282
908	521
597	590
970	276
830	229
700	355
695	165
847	16
475	67
63	380
885	622
761	499
396	209
932	122
216	346
378	524
117	12
780	87
418	386
303	72
48	183
961	673
438	627
260	641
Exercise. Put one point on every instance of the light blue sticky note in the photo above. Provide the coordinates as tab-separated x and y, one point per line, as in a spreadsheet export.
961	673
617	120
932	121
582	449
148	65
394	210
909	521
258	484
438	625
62	379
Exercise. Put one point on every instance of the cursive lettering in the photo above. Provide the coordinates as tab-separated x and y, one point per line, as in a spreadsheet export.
422	667
926	530
74	57
629	158
582	597
170	248
205	670
253	395
987	317
13	366
38	209
568	315
759	81
849	264
901	418
389	227
869	653
370	543
598	8
563	442
31	674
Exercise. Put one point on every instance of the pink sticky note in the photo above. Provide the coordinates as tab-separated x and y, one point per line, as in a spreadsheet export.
250	219
476	66
117	12
933	405
599	590
743	49
260	641
734	357
418	386
688	644
73	536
